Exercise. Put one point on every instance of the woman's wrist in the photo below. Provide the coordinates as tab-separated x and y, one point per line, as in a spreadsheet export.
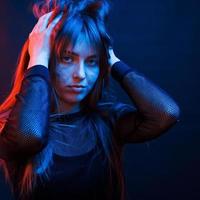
120	69
38	61
113	61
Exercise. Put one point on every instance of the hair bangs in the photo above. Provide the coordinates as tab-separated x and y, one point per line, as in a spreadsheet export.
68	36
74	26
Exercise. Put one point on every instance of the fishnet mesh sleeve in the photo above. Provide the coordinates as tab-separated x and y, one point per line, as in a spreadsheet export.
26	129
154	111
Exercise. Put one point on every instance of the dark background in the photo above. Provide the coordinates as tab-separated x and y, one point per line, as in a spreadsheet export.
161	38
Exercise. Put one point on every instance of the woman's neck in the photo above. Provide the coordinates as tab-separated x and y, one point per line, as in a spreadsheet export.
68	108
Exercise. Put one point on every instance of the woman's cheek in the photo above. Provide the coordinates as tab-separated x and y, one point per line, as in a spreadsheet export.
93	75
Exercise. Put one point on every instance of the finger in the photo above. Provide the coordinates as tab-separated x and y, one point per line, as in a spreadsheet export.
110	50
55	13
55	24
55	21
43	21
37	26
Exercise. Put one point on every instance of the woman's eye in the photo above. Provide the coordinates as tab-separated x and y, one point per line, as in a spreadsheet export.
92	62
68	59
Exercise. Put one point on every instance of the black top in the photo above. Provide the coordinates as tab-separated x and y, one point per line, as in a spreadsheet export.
79	170
76	178
69	159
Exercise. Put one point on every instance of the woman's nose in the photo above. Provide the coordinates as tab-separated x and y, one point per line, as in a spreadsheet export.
79	71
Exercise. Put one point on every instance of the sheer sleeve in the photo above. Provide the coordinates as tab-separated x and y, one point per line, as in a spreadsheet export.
154	111
26	128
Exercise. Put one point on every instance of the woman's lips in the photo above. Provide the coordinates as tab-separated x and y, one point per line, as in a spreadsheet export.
82	86
76	89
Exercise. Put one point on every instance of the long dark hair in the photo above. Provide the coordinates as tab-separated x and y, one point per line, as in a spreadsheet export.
80	16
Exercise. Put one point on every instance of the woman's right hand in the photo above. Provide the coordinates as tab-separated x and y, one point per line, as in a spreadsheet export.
40	39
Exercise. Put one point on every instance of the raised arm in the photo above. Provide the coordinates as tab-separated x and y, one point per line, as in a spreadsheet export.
27	126
155	110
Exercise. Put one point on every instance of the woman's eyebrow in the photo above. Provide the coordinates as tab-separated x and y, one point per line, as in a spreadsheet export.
71	53
93	56
76	54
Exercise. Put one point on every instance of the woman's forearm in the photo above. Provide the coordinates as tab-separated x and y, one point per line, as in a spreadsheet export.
26	126
156	110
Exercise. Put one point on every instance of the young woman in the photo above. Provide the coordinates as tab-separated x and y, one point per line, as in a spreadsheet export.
60	138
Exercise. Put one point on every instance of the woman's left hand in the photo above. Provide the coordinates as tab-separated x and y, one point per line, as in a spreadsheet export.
112	57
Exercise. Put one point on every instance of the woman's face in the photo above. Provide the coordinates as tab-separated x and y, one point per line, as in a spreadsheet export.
77	73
